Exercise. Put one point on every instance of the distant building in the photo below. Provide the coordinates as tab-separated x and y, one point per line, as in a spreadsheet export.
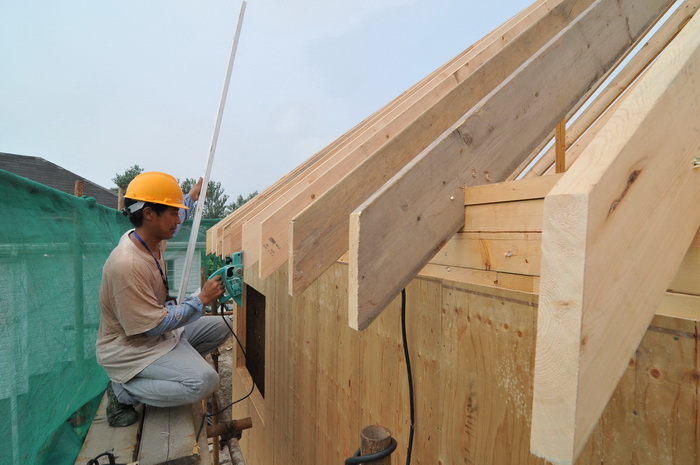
42	171
176	252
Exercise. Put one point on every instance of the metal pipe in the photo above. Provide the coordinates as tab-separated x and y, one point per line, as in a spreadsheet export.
376	446
229	427
231	431
375	439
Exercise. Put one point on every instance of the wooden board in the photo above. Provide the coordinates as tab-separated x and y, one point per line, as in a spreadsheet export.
122	442
615	229
472	354
681	306
169	437
517	253
686	279
510	191
522	217
230	229
319	234
630	71
274	228
399	228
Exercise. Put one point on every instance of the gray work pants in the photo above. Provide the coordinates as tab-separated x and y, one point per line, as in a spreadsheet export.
182	376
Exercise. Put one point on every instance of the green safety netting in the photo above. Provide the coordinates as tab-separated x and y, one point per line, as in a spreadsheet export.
52	249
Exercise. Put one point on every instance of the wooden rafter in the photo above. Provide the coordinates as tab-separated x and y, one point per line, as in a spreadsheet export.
319	233
615	230
227	236
397	230
629	72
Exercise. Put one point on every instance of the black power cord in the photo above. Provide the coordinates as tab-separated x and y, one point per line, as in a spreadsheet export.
357	458
222	308
408	374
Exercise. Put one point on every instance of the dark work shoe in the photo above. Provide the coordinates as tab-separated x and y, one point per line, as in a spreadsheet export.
118	414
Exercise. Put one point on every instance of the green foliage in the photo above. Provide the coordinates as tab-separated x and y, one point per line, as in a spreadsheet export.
212	263
240	200
215	206
123	180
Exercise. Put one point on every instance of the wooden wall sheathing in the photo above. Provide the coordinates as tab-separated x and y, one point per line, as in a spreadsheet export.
472	353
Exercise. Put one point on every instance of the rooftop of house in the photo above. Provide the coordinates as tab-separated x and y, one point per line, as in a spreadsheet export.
43	171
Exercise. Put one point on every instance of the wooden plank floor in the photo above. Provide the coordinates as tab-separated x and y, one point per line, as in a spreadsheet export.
161	436
122	442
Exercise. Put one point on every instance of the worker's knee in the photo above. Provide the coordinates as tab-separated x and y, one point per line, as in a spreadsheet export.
200	387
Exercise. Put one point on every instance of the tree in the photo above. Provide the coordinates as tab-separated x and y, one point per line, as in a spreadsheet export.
215	206
240	200
123	180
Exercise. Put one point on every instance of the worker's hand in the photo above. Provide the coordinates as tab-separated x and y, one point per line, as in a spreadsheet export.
196	189
212	290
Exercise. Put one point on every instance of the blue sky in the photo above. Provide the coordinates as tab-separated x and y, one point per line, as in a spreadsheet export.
97	86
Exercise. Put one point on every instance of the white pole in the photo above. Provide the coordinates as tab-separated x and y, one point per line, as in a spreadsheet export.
215	136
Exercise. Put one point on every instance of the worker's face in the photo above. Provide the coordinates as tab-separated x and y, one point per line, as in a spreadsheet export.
165	225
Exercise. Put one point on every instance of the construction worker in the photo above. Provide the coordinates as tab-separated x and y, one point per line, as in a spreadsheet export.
152	347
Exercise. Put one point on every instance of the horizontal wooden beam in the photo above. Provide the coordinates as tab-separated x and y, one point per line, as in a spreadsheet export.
510	191
319	234
683	306
524	216
517	253
397	230
615	230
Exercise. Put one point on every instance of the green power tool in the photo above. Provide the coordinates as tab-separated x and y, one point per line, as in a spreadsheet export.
232	276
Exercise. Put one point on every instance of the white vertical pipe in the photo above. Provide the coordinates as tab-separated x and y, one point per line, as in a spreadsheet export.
205	184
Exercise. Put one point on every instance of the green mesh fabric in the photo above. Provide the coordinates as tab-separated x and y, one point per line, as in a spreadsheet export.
52	249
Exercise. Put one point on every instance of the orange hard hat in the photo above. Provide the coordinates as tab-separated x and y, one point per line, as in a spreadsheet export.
156	187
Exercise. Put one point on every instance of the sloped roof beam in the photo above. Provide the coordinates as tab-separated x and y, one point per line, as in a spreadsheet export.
397	230
616	228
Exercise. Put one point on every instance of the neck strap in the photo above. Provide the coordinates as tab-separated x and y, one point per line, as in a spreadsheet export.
160	270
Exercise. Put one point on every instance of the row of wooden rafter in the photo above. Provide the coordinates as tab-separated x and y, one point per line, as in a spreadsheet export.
473	101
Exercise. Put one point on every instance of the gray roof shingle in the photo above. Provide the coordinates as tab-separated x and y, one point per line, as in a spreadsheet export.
42	171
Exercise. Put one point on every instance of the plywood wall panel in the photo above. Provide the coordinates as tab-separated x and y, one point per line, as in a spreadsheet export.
472	353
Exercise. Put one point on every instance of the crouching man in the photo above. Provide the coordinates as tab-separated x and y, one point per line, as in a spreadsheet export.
151	347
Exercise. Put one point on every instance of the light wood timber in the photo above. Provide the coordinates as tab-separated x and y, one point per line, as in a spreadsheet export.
406	222
274	246
683	306
233	224
237	219
509	191
686	279
622	81
524	216
122	442
472	355
560	147
508	252
319	233
603	268
169	436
